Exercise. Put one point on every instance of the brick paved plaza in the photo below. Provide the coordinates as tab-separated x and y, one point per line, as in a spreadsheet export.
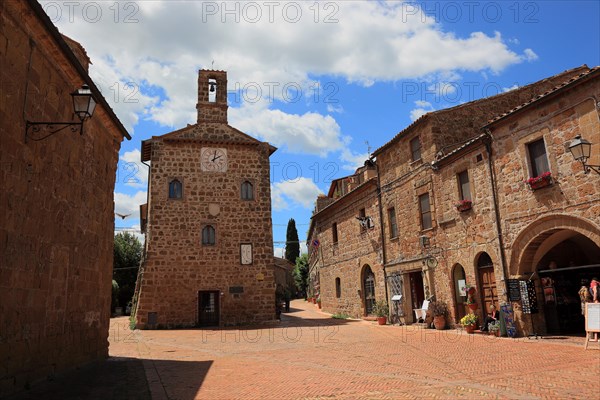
311	356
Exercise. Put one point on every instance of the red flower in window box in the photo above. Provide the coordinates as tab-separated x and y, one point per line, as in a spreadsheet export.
541	181
464	205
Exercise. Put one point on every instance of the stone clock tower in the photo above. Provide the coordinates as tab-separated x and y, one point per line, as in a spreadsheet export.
208	257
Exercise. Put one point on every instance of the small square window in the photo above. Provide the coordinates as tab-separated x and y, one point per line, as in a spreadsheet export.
415	148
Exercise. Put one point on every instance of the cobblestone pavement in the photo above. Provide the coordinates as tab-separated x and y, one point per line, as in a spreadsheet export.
311	356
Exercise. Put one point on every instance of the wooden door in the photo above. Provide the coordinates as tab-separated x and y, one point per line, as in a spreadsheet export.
208	308
487	284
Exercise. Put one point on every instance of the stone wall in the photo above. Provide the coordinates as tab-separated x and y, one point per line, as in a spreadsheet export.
355	249
571	205
56	211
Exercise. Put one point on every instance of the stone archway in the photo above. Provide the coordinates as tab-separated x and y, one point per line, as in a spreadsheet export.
564	253
368	289
459	279
529	241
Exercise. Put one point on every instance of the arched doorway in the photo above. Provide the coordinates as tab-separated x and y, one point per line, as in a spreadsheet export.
487	282
368	284
567	261
564	251
459	281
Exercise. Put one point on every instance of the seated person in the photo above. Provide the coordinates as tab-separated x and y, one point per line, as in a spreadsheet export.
492	316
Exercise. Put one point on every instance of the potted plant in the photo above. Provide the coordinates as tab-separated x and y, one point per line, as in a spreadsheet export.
469	321
541	181
494	328
471	303
464	205
440	312
319	302
381	310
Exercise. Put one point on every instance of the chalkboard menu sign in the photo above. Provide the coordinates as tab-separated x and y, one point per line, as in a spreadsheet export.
514	292
528	297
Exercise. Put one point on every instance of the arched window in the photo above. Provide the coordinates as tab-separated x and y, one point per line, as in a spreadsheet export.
208	235
338	288
247	191
175	189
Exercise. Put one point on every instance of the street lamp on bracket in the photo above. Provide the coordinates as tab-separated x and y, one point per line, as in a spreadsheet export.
84	105
581	150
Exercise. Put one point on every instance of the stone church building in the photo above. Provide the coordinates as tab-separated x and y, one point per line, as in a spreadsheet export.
208	258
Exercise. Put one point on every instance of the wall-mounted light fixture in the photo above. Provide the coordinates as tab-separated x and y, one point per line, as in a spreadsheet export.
424	241
83	106
581	150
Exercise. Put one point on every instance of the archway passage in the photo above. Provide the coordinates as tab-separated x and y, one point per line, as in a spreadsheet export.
369	289
565	261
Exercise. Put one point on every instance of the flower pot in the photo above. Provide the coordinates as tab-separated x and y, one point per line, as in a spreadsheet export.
542	182
470	328
381	320
319	304
439	322
466	206
473	306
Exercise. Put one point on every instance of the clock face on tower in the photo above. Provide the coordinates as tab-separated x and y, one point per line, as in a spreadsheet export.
213	159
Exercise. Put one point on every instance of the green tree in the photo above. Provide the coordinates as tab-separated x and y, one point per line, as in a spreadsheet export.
127	256
292	243
301	273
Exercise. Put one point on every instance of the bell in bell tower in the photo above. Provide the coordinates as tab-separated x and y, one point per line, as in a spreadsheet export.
212	96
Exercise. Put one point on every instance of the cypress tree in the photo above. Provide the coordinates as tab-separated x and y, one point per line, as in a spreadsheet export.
292	244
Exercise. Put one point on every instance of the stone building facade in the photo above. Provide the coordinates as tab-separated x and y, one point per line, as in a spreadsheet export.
209	248
554	229
431	248
56	204
434	237
346	268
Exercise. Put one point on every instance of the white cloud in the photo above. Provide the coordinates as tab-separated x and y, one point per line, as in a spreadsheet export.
370	42
310	132
126	204
353	160
508	89
423	107
132	171
529	55
335	108
300	192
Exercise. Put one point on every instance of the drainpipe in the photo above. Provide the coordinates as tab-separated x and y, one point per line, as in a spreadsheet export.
383	253
488	146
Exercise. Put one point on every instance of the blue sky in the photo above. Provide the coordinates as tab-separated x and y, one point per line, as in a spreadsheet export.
323	81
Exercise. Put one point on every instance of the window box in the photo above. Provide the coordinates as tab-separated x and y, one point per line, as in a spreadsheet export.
540	181
464	205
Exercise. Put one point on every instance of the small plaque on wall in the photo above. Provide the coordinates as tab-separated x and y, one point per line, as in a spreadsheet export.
236	289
